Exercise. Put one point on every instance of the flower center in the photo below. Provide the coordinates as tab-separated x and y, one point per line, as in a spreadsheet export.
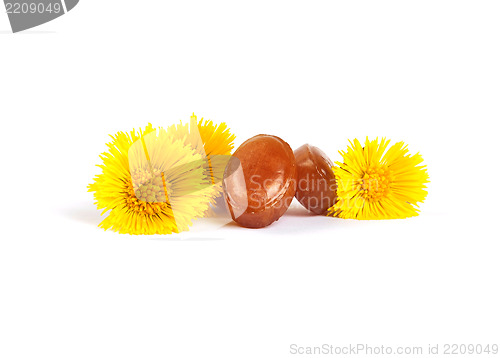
147	191
375	183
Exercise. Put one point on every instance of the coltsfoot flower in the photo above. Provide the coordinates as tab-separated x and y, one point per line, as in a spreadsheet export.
151	183
378	183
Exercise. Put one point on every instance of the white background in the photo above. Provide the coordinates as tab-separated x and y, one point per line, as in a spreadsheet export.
321	72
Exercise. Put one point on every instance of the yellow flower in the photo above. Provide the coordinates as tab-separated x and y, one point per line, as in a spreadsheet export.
151	183
379	183
213	142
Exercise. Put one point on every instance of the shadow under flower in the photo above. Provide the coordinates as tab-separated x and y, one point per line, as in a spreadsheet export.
83	213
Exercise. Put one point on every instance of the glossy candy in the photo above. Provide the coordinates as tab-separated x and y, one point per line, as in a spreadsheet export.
259	181
316	185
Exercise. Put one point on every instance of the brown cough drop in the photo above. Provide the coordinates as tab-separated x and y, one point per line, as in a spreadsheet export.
260	181
316	185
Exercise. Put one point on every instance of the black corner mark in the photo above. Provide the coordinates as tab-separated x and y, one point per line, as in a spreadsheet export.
26	14
70	4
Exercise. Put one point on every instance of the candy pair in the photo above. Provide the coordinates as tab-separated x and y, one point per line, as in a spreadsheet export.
264	175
